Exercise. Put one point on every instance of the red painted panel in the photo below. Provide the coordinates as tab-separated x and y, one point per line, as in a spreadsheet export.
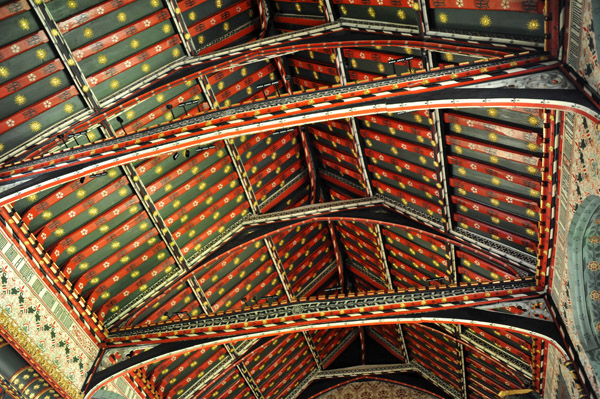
30	77
13	8
491	5
494	127
377	156
496	172
490	149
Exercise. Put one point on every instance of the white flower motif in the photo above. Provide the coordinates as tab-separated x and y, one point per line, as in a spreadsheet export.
146	23
95	248
31	77
10	123
232	215
180	99
178	234
213	21
104	193
161	204
459	3
100	10
59	195
15	48
43	236
195	203
220	186
126	227
170	221
142	169
213	169
93	81
56	252
69	270
151	116
83	232
47	104
116	212
158	48
106	264
116	278
114	38
477	225
126	293
226	200
154	273
78	54
206	154
505	4
80	286
127	64
72	214
179	171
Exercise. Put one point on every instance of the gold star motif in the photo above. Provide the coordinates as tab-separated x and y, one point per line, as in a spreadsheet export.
55	81
130	114
134	44
533	24
102	59
176	52
20	99
88	32
35	126
146	68
192	16
72	4
4	72
122	17
485	21
68	108
24	24
401	14
41	54
114	84
154	3
226	26
166	28
443	18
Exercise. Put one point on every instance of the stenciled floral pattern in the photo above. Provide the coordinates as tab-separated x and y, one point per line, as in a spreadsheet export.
374	389
588	67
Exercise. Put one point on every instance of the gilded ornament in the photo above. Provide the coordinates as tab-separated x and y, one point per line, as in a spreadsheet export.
41	54
4	72
443	18
20	100
35	126
485	21
24	24
121	17
401	14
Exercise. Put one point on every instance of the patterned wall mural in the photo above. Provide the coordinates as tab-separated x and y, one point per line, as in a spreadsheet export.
374	389
580	178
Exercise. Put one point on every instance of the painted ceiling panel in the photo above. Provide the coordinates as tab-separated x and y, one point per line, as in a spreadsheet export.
420	202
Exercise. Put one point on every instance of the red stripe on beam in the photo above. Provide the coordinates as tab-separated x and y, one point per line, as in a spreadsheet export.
132	61
492	150
91	14
496	172
37	108
30	77
22	45
124	33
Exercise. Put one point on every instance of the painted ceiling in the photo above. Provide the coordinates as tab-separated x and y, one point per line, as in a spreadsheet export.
171	162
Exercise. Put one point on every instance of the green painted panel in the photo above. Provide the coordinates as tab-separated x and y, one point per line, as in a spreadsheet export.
109	22
405	16
26	61
30	129
106	88
126	48
18	26
489	22
31	94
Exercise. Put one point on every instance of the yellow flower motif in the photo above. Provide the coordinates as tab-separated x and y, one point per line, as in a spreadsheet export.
102	59
80	193
122	17
130	114
485	21
115	245
533	24
68	108
114	84
20	99
166	28
88	32
24	24
47	215
443	18
4	72
35	126
134	44
146	68
176	52
192	16
41	54
93	211
59	232
55	81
